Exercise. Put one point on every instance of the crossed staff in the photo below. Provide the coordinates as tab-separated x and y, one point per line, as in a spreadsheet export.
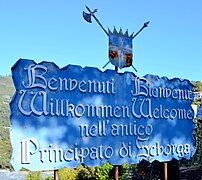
87	17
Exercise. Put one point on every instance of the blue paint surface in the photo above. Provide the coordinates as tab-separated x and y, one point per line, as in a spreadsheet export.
64	117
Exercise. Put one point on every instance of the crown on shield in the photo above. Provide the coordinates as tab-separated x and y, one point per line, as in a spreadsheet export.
120	44
120	33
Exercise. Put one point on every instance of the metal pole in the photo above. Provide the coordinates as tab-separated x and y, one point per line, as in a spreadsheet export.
56	177
116	167
106	64
165	170
116	69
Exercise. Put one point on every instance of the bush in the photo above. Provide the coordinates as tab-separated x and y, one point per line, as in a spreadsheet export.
67	174
86	173
105	172
38	176
49	178
35	176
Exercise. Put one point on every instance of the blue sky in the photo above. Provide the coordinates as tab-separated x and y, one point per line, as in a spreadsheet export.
55	31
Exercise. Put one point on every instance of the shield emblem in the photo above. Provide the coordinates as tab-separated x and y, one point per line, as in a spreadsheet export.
120	49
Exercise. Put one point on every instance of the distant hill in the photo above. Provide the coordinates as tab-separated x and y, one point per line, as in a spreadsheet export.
6	93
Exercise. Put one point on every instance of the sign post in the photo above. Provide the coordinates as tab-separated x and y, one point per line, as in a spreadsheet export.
116	172
165	170
116	168
56	177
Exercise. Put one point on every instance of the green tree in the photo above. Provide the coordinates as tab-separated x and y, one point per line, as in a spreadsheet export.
197	158
197	86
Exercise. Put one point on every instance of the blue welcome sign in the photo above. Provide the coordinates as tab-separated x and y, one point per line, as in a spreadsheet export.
64	117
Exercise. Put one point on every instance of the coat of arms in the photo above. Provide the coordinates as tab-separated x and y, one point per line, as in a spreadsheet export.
120	44
120	49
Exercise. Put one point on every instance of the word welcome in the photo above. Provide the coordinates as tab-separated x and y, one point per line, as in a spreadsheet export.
63	107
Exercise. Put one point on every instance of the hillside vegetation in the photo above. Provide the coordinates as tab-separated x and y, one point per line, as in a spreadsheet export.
6	92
